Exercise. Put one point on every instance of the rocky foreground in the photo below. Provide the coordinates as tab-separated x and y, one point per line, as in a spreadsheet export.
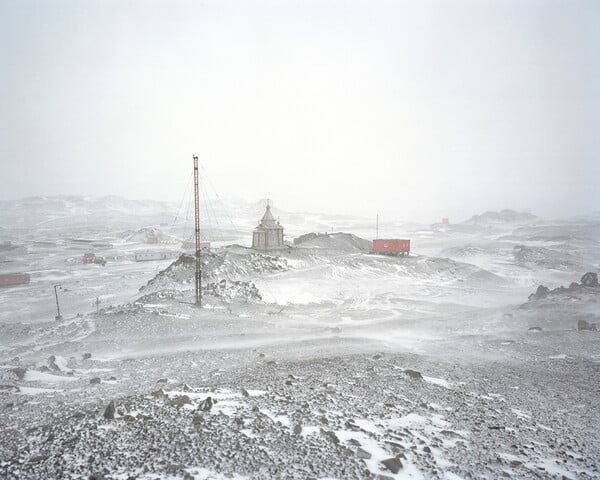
248	414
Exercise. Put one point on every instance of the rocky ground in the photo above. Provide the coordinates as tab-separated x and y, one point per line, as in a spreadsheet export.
471	406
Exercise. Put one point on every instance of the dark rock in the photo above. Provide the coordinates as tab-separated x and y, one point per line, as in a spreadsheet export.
52	363
413	374
109	413
87	356
583	325
206	404
393	464
350	424
19	372
298	429
162	380
331	435
197	421
159	393
541	292
534	329
181	400
590	279
38	458
245	393
95	380
360	453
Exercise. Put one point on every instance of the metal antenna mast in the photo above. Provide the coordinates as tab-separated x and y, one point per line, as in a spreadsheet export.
197	211
58	316
377	227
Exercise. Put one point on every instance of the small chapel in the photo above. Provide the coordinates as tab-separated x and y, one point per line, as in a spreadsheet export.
268	234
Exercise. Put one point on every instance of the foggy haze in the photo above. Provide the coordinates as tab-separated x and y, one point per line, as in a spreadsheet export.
409	109
385	266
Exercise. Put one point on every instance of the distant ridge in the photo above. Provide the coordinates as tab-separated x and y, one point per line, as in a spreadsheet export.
503	216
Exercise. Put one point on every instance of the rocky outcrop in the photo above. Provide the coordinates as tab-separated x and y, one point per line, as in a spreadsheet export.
589	281
233	290
346	242
541	292
109	412
413	374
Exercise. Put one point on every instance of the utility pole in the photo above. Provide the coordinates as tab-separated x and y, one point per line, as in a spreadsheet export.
377	227
97	305
197	229
58	316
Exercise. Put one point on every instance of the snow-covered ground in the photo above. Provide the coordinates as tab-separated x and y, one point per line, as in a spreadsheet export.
322	361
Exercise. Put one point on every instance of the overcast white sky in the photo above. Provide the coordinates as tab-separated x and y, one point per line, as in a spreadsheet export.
413	109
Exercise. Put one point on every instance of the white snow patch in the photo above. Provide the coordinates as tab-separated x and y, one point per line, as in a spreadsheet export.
35	376
283	419
256	393
438	381
553	468
378	454
520	413
36	391
310	430
367	425
451	476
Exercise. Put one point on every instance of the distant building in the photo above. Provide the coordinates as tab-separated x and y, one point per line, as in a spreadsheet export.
268	235
445	221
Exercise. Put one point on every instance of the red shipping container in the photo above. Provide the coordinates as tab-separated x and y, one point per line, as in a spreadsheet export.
395	246
10	279
89	258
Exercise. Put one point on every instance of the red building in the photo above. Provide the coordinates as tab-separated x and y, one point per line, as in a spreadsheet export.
394	246
10	279
89	258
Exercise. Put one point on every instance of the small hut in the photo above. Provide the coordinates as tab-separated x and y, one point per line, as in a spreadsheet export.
268	235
